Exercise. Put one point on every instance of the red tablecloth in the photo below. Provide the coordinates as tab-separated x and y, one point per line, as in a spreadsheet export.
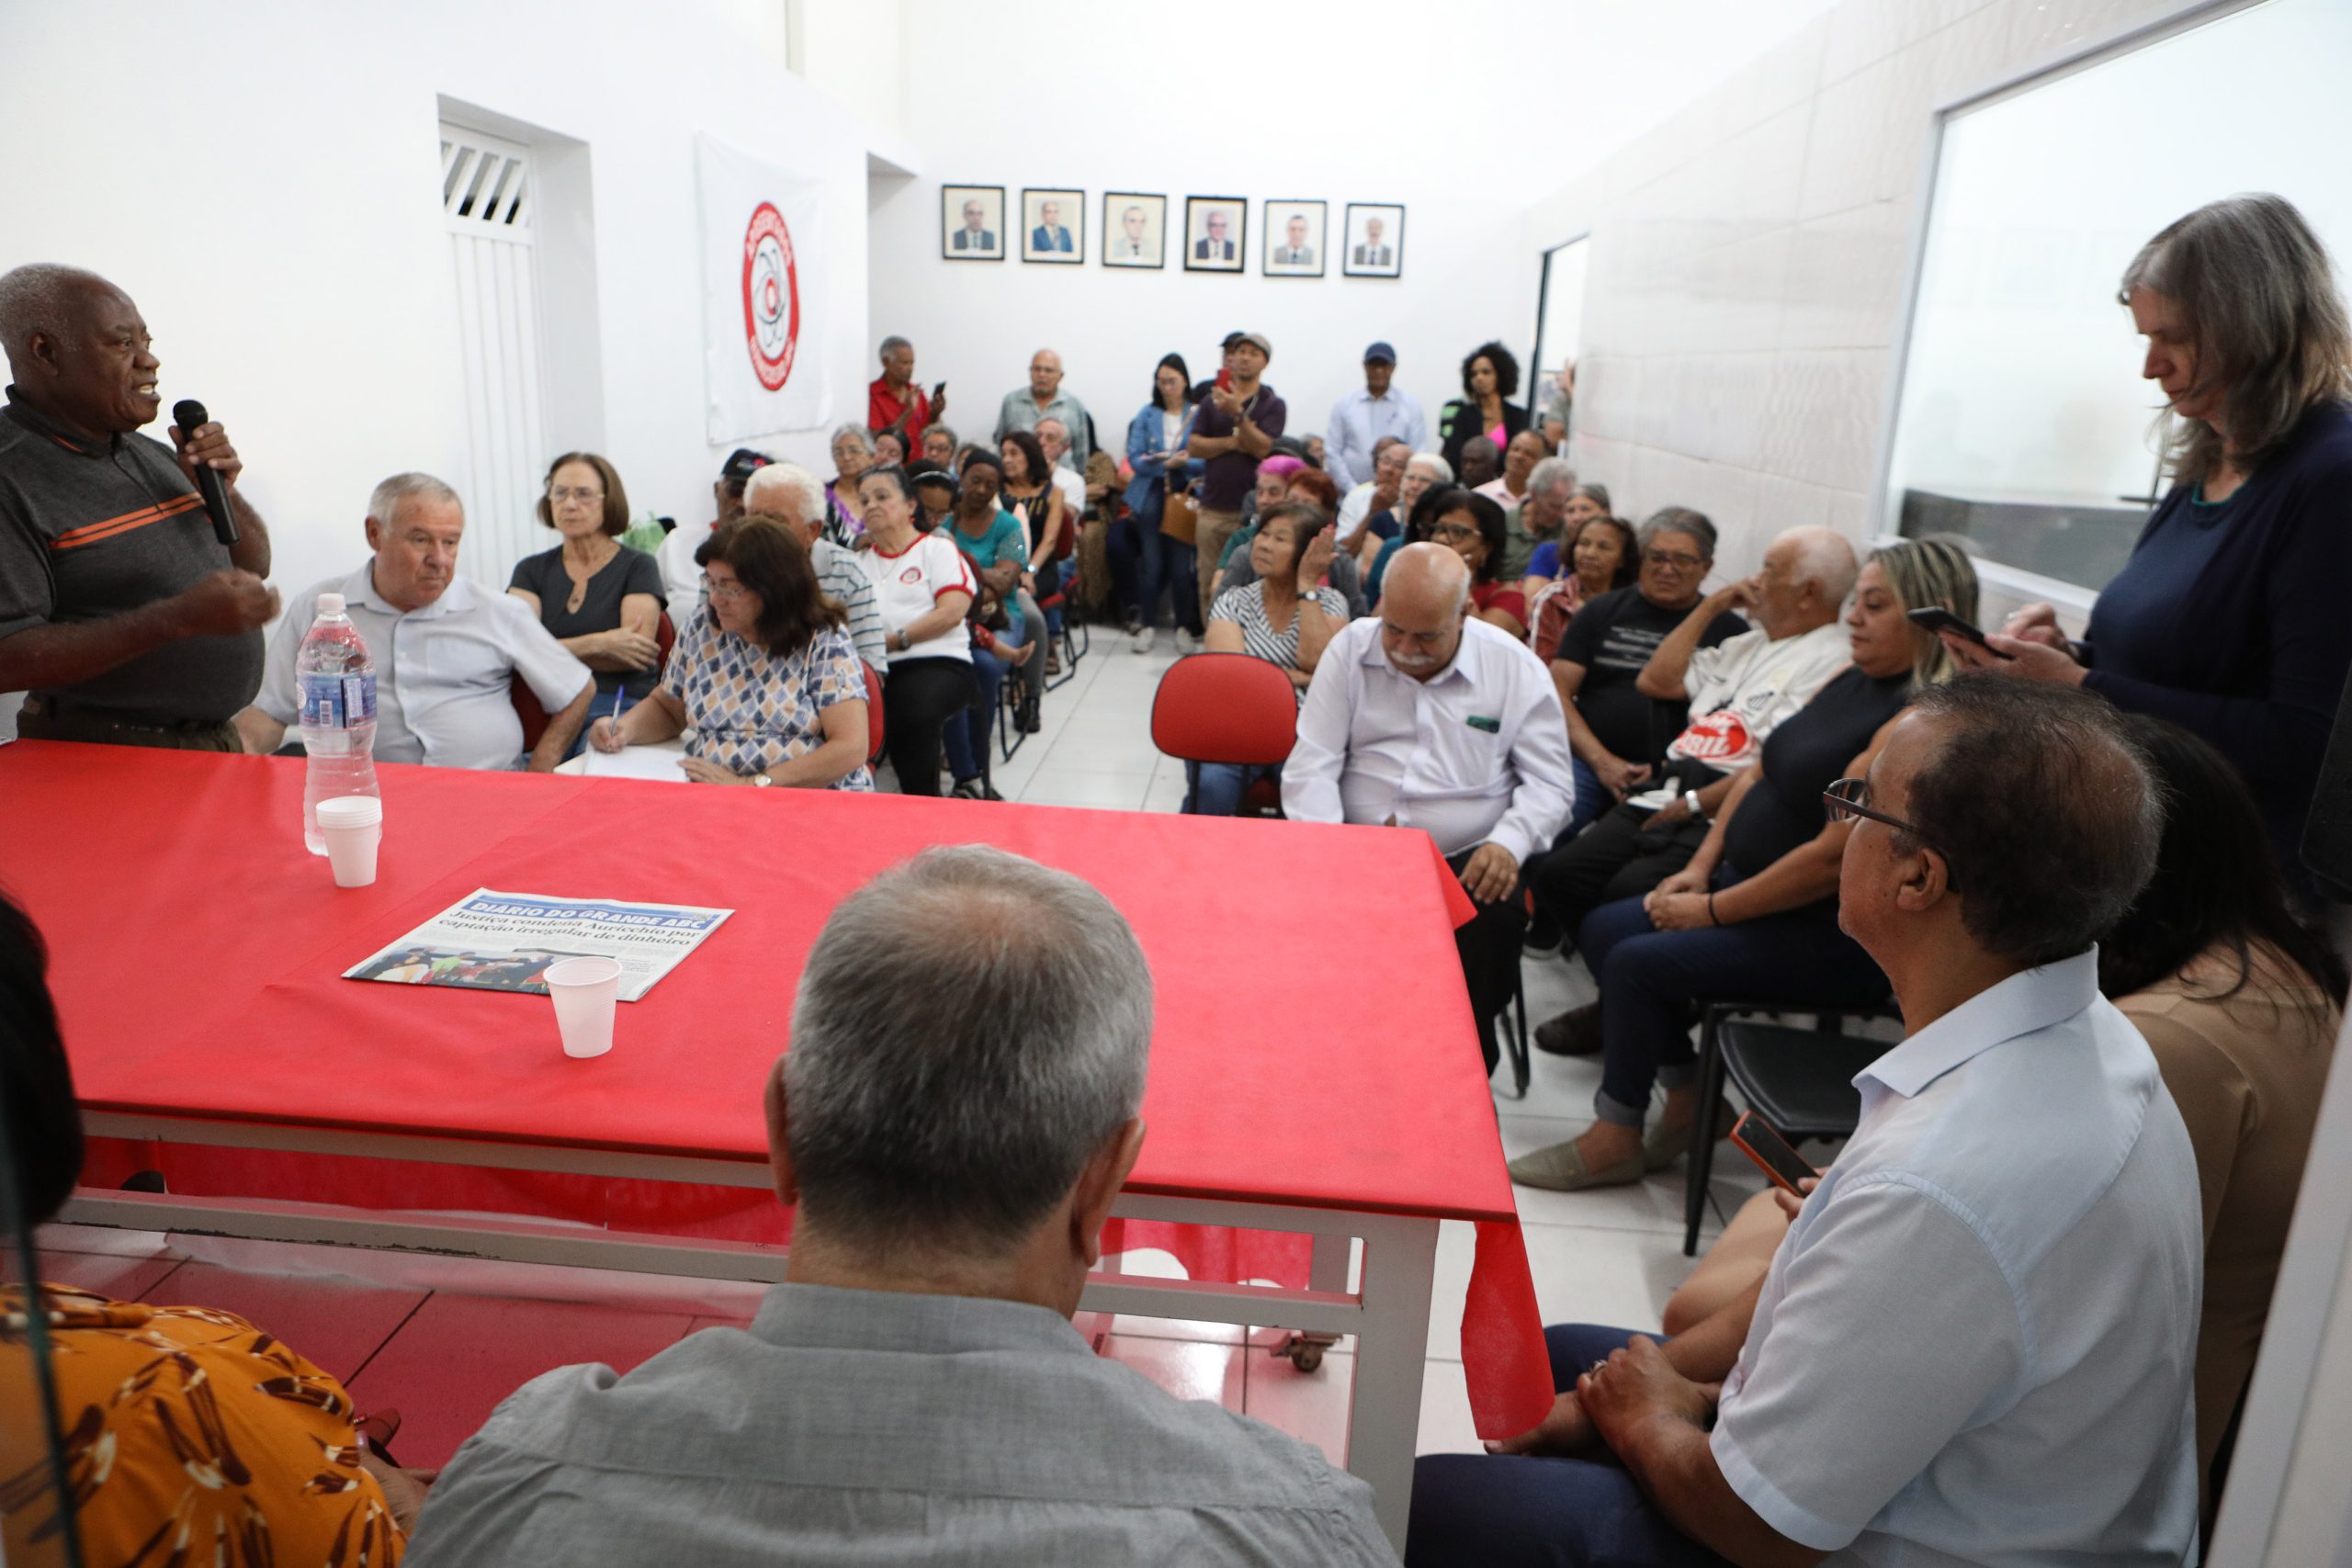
1313	1044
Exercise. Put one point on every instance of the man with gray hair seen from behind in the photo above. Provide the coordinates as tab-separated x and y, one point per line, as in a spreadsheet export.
1422	717
790	494
446	652
1976	1343
914	1392
121	612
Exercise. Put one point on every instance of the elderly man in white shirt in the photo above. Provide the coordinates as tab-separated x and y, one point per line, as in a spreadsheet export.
446	652
1975	1344
788	491
1422	717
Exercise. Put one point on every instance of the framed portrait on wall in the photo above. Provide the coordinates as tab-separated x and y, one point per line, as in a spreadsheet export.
1217	233
971	222
1295	238
1375	240
1134	229
1053	225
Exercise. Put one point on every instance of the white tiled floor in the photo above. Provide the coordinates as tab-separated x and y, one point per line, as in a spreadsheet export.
387	1322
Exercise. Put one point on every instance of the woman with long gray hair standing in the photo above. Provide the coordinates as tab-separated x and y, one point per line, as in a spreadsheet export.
2233	616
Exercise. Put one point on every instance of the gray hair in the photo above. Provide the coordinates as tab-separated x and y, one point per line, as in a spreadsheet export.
1548	472
864	437
970	1027
1440	470
893	342
785	481
1825	558
1057	423
2262	313
39	298
2044	807
942	430
384	500
1678	520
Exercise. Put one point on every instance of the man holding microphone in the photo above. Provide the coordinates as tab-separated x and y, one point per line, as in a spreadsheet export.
121	612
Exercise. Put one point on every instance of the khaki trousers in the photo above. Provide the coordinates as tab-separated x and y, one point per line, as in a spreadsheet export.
1209	539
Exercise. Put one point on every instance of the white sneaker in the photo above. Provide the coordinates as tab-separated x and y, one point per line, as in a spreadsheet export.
1142	638
1186	642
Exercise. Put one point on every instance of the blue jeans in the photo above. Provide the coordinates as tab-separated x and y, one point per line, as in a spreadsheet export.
598	707
1217	789
1145	562
1651	981
965	737
1499	1510
1590	799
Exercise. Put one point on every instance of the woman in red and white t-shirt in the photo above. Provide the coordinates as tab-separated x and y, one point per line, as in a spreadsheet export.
921	587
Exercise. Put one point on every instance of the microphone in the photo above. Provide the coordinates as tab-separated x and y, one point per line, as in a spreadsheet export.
187	413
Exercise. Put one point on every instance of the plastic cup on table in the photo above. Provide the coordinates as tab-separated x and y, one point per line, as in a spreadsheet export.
352	827
587	991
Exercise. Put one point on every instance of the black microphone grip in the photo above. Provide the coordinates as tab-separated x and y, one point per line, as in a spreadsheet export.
188	414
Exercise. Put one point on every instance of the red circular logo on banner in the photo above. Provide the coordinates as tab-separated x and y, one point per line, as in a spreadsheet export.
771	297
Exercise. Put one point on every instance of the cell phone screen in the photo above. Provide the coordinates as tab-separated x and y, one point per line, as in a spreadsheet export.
1771	1152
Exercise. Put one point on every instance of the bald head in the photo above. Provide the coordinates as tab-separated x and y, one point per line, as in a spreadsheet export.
78	350
1423	600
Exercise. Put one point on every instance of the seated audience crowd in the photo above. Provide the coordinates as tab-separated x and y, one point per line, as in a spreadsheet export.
2014	1320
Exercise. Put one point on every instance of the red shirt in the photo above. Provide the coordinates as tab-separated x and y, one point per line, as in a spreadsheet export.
1503	597
883	408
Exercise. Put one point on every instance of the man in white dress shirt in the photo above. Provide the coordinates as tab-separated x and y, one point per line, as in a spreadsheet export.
1421	717
445	649
1975	1344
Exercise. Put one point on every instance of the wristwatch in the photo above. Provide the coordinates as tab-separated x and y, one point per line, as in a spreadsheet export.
761	780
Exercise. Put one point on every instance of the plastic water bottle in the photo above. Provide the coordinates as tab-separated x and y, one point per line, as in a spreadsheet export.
338	683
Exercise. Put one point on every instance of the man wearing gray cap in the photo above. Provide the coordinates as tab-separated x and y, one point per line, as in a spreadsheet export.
1362	418
1231	431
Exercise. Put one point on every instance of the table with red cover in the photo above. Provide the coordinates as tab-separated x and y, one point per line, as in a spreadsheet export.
1313	1050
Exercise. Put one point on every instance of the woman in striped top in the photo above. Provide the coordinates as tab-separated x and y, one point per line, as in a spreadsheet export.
1281	618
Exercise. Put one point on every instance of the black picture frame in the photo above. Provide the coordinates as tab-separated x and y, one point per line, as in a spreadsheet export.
1283	209
953	228
1395	247
1071	200
1239	207
1114	206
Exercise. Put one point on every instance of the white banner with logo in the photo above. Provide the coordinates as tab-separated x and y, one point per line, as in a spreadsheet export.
762	289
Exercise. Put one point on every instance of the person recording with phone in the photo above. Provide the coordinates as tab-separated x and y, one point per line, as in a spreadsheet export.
132	615
893	402
2229	619
1976	1343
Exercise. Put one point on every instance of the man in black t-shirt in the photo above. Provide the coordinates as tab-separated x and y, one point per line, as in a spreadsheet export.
120	612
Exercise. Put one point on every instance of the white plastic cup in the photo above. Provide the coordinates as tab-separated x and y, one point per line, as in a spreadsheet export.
352	827
586	992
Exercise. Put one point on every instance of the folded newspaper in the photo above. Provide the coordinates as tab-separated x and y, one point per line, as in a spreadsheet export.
504	942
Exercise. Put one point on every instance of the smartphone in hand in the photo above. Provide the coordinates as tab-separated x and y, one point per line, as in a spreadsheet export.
1771	1152
938	392
1936	618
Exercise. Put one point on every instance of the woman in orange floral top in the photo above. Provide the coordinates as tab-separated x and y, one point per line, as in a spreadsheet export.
188	1436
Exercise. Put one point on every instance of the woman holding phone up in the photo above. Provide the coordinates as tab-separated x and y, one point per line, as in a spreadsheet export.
2230	617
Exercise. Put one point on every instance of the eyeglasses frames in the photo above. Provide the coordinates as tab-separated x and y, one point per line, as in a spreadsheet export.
1844	800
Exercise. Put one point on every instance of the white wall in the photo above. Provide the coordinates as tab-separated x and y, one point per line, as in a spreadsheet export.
1462	113
267	191
1750	256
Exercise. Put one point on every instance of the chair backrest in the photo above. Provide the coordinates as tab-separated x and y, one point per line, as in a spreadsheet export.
1225	707
528	709
873	713
665	633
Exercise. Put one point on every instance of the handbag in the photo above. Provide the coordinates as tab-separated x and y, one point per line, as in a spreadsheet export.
1181	519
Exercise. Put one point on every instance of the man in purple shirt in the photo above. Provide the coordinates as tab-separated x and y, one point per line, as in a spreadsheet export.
1234	427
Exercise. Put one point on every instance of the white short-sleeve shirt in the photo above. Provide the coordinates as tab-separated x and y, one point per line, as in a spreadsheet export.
442	672
1744	686
1976	1344
907	587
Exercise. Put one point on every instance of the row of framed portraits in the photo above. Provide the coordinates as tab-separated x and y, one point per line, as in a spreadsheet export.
1295	238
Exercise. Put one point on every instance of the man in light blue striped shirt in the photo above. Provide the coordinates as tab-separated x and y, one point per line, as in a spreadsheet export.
1364	416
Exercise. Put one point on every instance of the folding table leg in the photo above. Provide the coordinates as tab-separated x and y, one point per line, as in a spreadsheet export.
1326	1272
1392	1350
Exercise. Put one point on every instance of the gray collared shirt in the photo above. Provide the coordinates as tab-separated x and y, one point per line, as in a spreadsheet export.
859	1427
1020	412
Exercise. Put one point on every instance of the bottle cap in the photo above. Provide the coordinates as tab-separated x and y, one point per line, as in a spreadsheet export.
330	603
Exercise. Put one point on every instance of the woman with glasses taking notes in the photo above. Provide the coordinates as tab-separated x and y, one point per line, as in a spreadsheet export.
600	598
1754	916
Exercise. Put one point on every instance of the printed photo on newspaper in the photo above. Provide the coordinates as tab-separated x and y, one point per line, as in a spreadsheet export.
504	942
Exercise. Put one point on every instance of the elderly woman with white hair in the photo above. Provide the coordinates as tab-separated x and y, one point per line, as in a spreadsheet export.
1387	532
2230	617
853	451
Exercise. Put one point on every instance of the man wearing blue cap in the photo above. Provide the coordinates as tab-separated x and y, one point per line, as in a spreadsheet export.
1362	418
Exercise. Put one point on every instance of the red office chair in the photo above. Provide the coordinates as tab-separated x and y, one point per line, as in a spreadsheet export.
1227	707
535	717
873	713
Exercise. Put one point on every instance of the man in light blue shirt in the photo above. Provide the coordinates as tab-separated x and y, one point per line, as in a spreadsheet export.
1975	1344
1363	417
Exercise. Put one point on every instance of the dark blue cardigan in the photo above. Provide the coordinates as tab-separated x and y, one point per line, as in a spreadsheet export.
2235	621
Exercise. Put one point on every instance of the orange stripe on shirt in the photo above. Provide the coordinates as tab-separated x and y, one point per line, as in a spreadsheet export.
93	533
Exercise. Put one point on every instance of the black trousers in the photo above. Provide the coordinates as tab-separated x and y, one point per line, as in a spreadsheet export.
1490	950
1618	857
918	696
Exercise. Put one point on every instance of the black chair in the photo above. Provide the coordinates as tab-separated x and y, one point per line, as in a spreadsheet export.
1800	1081
1515	1037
